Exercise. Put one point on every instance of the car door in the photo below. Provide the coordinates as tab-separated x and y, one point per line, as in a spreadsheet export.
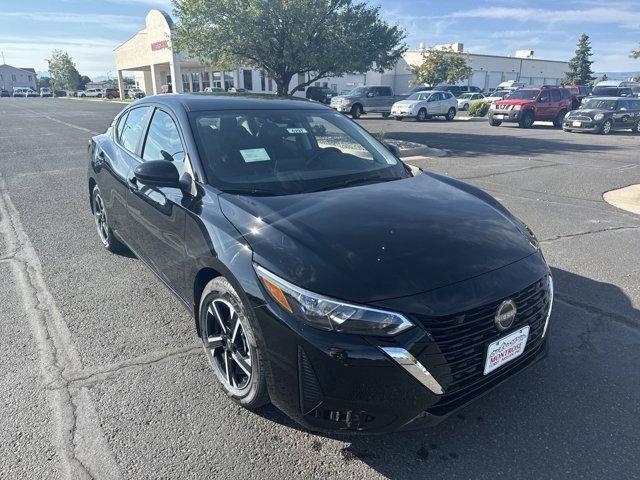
543	105
433	104
156	213
117	159
623	116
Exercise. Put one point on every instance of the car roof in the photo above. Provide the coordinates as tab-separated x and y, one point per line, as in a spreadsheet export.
233	101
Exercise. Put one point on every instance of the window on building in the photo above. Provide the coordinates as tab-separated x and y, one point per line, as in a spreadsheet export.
247	79
217	80
30	78
163	136
168	80
270	83
262	80
195	81
185	83
205	80
132	128
228	80
13	77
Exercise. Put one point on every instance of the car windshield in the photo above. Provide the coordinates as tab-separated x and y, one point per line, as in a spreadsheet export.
523	95
600	104
606	91
466	95
281	152
499	93
419	96
358	92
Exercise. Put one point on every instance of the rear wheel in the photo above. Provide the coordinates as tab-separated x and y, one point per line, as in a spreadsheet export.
356	111
527	120
422	115
101	220
399	119
385	115
606	127
465	107
636	128
450	114
229	341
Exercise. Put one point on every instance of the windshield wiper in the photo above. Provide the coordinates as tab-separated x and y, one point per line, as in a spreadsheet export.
249	191
352	182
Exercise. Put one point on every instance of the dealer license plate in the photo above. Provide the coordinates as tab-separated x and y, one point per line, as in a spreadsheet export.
499	117
577	124
506	349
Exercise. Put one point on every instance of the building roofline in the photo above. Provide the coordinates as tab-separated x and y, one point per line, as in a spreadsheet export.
501	56
18	68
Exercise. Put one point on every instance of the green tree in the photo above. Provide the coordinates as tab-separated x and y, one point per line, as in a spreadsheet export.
82	82
580	72
635	53
286	38
44	82
603	78
64	75
441	66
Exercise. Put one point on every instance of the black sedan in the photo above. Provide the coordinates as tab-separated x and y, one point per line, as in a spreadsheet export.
324	275
4	93
604	115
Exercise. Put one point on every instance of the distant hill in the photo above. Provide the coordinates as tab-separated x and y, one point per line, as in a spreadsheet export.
617	75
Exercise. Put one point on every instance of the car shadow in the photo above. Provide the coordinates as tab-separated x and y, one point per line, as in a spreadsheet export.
572	415
478	145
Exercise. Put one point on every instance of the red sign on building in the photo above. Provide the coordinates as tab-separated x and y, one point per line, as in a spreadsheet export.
160	45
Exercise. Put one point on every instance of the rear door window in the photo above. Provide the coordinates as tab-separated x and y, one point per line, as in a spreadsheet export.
555	95
132	129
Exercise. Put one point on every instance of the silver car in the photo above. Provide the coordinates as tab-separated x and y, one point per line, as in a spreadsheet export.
427	104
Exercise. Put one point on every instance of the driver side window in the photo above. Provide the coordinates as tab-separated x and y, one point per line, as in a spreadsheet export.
162	139
544	97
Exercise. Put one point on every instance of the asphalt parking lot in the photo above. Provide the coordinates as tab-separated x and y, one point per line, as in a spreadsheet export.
103	377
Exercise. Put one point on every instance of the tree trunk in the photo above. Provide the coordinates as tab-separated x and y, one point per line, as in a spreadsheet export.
283	79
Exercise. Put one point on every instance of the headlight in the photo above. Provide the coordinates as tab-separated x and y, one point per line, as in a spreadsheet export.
567	115
328	314
598	116
517	107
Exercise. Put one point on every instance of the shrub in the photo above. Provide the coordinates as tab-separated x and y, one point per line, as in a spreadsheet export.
479	108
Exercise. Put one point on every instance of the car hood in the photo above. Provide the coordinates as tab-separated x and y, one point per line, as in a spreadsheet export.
407	103
513	102
589	112
379	241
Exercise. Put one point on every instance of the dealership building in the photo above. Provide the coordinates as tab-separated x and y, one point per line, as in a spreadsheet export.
149	55
13	77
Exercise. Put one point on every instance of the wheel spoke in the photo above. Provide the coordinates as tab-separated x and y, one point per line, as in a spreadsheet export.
226	367
214	342
213	310
236	327
243	363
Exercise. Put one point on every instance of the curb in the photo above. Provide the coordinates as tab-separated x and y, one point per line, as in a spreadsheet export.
97	100
625	198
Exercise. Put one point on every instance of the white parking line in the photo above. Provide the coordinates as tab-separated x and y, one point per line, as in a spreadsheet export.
72	409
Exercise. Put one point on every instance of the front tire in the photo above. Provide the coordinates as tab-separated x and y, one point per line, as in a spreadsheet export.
422	115
230	344
606	127
557	122
527	120
636	129
356	112
399	119
494	123
451	114
106	235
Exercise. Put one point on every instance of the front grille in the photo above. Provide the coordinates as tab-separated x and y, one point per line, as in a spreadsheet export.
581	118
462	340
504	107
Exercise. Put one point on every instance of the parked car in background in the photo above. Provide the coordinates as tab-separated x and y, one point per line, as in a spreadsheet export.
319	94
31	93
236	90
111	93
4	93
72	93
427	104
46	92
20	91
361	100
91	92
470	89
496	95
134	93
60	93
604	115
526	105
456	90
319	271
467	99
612	88
213	90
578	92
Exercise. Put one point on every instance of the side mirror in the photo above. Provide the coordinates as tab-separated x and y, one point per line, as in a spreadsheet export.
158	173
393	149
369	94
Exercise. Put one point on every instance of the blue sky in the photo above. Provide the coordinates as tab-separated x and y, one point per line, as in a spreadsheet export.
89	29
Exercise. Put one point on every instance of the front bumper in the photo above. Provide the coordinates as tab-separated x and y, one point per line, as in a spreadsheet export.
328	381
341	107
402	113
583	126
505	115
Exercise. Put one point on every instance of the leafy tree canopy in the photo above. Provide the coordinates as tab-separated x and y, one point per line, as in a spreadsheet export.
44	82
82	82
441	66
314	38
580	72
64	75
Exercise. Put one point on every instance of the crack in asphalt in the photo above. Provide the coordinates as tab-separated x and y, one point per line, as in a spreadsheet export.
56	351
599	312
589	232
532	167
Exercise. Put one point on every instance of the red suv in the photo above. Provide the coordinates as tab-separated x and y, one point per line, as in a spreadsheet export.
526	105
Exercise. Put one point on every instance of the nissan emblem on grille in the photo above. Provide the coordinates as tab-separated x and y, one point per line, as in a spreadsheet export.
505	315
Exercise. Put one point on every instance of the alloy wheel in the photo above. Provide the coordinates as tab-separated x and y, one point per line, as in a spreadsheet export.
225	343
606	127
422	115
102	226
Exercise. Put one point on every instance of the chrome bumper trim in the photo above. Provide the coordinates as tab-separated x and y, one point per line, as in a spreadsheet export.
414	367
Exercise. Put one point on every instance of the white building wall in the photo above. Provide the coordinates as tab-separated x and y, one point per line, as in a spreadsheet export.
15	77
